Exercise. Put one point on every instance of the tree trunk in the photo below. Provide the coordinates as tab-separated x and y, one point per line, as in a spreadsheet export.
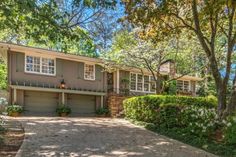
158	84
231	107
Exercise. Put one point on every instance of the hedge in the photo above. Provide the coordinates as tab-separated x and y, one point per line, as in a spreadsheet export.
144	108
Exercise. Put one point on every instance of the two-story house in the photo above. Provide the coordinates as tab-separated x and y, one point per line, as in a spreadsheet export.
41	79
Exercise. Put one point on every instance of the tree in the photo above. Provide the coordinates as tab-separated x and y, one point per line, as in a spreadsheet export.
55	24
129	50
208	20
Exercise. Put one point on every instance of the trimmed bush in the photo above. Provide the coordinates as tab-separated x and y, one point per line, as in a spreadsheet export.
145	108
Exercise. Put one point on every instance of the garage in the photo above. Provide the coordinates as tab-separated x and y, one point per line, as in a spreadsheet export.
40	102
81	104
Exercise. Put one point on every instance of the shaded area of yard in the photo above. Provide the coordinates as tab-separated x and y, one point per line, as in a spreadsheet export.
218	148
11	138
97	137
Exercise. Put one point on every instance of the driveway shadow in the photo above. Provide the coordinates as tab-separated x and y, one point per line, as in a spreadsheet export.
59	137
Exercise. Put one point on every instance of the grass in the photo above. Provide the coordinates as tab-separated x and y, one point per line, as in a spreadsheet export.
211	146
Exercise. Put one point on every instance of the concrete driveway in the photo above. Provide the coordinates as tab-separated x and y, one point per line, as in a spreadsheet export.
59	137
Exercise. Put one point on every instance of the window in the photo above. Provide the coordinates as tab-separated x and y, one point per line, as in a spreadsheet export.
48	66
142	83
146	83
89	72
152	84
133	81
40	65
183	85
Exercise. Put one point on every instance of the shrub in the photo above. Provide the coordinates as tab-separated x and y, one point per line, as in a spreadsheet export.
14	108
199	120
195	115
168	115
102	111
63	109
144	108
230	130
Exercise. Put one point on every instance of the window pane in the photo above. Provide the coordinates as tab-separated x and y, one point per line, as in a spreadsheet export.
33	64
133	81
146	83
89	72
152	86
186	86
179	85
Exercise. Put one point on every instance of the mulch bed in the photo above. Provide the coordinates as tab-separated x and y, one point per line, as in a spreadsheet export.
13	137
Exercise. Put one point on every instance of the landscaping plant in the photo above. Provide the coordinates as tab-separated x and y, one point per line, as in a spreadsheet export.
102	111
14	110
193	120
63	110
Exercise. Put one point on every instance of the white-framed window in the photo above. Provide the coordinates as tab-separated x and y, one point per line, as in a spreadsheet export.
146	83
48	66
89	71
152	84
183	85
133	81
40	65
142	83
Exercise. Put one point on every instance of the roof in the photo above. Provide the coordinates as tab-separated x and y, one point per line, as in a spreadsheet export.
58	54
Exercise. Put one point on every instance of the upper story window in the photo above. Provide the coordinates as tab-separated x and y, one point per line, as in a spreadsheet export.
142	83
40	65
89	72
183	85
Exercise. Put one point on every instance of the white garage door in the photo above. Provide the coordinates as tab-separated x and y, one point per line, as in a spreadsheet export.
40	102
81	104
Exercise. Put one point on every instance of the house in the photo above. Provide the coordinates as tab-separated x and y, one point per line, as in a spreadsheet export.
41	79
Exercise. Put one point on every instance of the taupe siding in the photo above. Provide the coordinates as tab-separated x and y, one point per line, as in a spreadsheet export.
80	70
65	69
20	58
59	68
98	72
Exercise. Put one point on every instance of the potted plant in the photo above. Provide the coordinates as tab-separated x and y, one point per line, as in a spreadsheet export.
63	110
102	112
14	110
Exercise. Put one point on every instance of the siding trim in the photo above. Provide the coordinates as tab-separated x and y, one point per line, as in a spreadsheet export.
57	90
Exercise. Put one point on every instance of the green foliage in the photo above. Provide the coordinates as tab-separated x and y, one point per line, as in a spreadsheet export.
14	108
191	123
3	76
63	109
230	130
199	121
169	115
102	111
145	108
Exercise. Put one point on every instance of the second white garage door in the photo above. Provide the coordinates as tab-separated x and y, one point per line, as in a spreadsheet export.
40	102
81	104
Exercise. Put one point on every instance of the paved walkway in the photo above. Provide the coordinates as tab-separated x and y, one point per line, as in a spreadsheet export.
59	137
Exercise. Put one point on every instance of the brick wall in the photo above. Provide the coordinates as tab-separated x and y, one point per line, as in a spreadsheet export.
115	104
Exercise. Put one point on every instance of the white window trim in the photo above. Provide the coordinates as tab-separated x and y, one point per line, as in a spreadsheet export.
136	82
189	87
93	72
40	73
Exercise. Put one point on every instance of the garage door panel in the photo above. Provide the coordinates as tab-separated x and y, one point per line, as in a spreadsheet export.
81	104
40	102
